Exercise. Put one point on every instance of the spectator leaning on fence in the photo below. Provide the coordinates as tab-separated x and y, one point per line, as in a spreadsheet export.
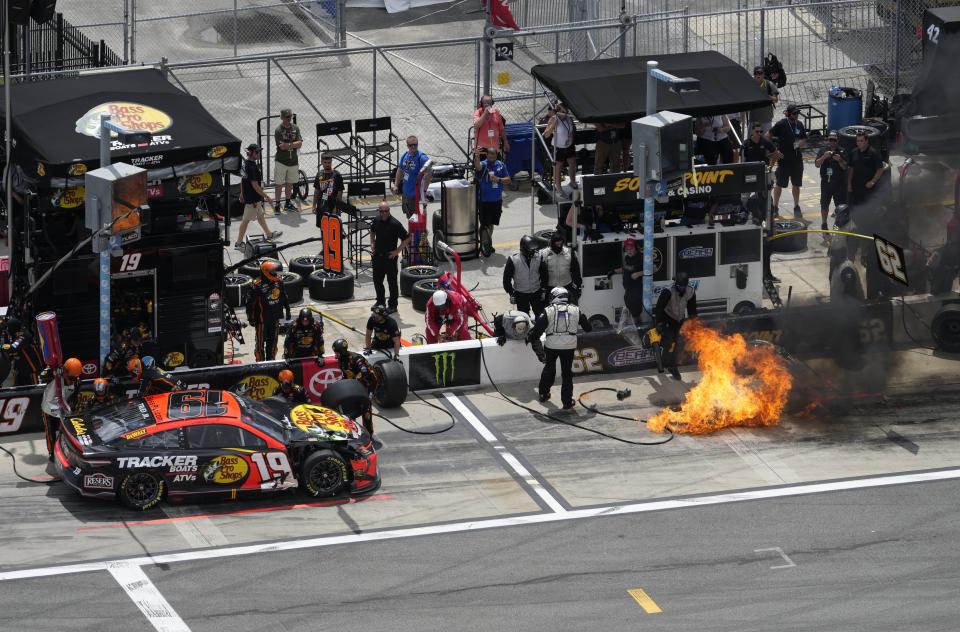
488	129
286	168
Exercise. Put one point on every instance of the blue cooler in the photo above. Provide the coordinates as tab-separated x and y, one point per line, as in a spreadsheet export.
519	157
844	108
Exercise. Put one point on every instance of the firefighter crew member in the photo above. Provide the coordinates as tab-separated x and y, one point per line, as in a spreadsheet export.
521	277
151	379
383	332
290	390
560	321
355	367
560	268
101	395
304	338
58	403
446	308
673	307
128	347
266	302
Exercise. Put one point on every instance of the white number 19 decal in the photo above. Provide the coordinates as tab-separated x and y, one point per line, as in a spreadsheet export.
13	412
271	465
130	262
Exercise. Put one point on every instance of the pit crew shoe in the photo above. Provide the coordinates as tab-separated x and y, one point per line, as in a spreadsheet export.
569	405
543	397
674	372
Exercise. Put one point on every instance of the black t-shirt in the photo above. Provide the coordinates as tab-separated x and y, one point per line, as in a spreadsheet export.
329	184
786	134
864	165
831	172
759	151
388	233
383	333
631	265
250	173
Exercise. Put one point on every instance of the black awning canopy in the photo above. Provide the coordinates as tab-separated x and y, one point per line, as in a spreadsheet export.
615	90
55	123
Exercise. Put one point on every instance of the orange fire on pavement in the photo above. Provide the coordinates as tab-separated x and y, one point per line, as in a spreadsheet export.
742	385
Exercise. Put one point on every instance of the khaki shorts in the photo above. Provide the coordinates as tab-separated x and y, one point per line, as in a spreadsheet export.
252	211
285	174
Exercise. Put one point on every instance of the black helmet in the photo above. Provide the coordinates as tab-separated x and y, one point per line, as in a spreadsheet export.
554	238
305	313
340	346
528	245
682	279
379	310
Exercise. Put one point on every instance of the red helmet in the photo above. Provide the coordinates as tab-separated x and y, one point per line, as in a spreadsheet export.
286	377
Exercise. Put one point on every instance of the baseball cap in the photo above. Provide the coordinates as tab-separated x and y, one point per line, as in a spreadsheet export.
253	147
758	70
833	135
793	109
286	112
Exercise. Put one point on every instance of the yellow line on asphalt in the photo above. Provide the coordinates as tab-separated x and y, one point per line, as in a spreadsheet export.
643	599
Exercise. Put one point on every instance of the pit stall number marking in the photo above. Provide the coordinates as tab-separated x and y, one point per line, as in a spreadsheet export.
12	412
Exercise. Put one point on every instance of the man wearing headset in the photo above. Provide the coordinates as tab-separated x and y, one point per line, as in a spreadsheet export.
560	321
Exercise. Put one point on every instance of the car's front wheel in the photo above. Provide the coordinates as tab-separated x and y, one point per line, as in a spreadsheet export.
141	490
324	473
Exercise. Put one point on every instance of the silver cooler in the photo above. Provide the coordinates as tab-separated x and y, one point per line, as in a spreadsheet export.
459	212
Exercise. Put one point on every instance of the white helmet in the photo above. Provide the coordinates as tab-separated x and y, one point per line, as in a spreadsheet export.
439	298
559	295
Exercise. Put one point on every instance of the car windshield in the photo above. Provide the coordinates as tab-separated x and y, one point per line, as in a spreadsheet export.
112	421
256	414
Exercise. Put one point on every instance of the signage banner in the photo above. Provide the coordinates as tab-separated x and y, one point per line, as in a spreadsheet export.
624	188
445	369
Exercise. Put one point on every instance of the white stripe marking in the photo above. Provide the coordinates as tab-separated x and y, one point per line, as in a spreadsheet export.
505	454
145	595
513	521
199	532
778	550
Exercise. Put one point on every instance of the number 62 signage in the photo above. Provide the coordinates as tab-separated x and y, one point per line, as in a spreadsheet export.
890	259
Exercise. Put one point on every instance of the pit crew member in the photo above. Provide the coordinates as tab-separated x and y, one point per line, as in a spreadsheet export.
355	367
446	308
673	307
560	268
59	400
560	321
151	379
521	277
304	338
290	390
266	302
383	332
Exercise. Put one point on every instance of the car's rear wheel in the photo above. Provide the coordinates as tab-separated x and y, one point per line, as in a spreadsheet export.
324	473
141	490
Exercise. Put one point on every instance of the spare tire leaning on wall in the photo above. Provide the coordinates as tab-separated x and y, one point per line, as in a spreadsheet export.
945	328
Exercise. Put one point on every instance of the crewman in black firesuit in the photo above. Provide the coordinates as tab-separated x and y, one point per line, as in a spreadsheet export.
355	367
673	308
266	301
304	338
124	350
383	332
290	390
22	348
101	395
151	379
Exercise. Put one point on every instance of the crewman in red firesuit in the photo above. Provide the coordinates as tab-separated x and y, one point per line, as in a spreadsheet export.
355	367
446	308
266	301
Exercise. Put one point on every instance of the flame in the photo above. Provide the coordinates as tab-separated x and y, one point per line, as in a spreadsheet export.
742	385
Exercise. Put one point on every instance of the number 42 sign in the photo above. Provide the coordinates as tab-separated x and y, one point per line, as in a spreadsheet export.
890	258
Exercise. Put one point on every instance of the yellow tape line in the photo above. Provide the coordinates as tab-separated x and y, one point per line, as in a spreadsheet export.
643	599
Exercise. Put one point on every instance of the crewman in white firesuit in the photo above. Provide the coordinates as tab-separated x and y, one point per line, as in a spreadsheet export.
673	307
560	268
560	321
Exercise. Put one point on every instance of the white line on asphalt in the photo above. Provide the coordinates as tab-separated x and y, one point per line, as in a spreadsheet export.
505	454
493	523
145	595
777	549
199	532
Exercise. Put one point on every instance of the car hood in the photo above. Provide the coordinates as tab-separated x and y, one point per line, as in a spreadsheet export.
311	422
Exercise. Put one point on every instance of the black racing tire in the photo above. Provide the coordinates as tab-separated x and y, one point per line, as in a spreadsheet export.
347	397
422	291
793	243
331	286
324	474
141	490
412	274
301	188
202	358
542	237
305	265
293	286
743	308
252	268
393	387
439	255
945	328
235	289
599	321
437	222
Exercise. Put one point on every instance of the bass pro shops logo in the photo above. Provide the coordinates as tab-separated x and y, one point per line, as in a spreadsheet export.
444	367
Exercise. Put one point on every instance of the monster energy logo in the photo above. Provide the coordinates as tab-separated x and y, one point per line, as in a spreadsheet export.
442	362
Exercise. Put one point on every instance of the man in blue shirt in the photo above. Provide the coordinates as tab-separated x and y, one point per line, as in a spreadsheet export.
491	177
408	172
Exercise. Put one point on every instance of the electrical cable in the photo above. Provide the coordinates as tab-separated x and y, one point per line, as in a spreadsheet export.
540	413
21	476
903	322
453	420
596	411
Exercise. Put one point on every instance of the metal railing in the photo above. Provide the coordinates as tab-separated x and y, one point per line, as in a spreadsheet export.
57	45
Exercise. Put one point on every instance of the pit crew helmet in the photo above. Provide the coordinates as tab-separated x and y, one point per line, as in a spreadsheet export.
148	362
100	388
270	270
73	367
340	347
305	315
681	280
528	246
286	378
380	311
559	295
135	367
556	241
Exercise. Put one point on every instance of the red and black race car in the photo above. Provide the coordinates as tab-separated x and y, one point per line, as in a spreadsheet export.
185	443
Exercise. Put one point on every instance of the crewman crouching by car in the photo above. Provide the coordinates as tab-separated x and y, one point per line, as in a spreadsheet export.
102	395
673	307
355	367
383	332
59	399
290	390
304	338
151	379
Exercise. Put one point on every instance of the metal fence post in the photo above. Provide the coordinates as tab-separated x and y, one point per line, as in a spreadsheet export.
236	28
266	166
133	31
126	28
341	24
374	84
763	31
898	27
487	46
686	29
623	28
